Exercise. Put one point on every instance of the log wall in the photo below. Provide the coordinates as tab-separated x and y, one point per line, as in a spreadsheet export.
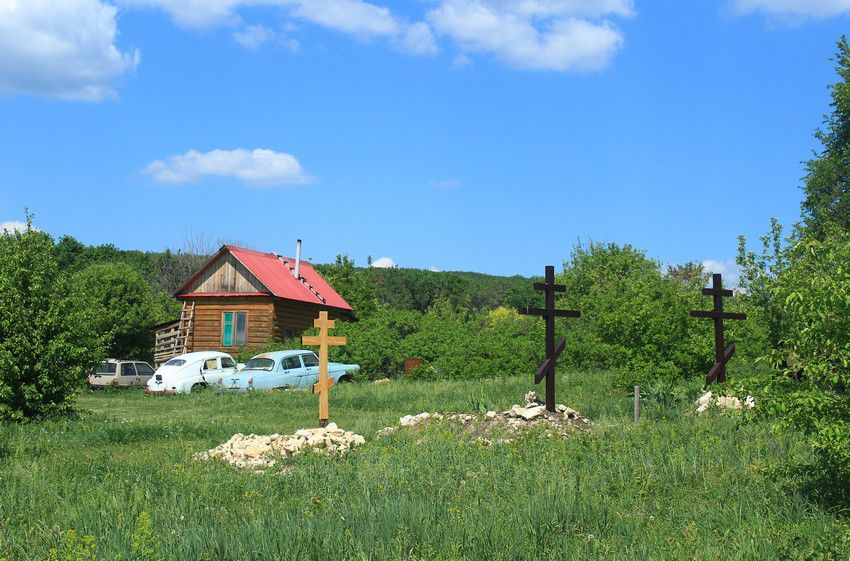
206	326
268	320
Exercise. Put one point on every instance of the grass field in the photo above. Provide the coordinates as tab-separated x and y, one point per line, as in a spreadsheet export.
120	483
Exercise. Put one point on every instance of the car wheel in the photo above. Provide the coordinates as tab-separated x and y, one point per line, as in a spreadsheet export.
198	387
344	379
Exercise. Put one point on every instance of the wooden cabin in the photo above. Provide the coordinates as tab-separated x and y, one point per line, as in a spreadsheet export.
246	298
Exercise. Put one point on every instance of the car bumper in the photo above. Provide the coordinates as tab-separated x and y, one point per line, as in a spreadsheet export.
160	392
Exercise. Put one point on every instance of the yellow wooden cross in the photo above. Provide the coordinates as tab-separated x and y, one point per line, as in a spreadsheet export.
323	341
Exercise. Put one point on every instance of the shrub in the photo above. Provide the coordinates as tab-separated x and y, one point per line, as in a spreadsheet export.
124	306
814	294
47	342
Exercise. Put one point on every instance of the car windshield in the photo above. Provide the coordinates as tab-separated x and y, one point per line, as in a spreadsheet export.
175	362
260	364
105	368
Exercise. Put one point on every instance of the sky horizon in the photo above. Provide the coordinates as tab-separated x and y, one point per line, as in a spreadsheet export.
465	135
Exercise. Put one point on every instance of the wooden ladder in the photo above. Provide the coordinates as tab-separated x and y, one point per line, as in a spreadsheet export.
184	330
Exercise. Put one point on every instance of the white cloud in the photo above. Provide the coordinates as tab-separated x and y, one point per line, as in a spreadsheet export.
12	226
252	37
256	167
61	49
352	17
383	263
794	8
729	269
558	35
446	184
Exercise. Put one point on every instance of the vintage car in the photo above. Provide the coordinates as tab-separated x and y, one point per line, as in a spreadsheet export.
191	371
283	369
114	372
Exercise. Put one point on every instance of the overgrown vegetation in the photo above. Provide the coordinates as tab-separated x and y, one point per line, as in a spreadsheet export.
120	484
800	287
47	336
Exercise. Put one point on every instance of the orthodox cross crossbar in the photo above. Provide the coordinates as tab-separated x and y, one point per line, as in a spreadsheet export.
549	313
722	354
323	341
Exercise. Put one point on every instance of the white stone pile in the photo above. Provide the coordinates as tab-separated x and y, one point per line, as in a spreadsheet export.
513	420
258	452
723	402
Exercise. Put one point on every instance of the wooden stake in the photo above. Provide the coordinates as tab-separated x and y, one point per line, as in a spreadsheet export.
637	404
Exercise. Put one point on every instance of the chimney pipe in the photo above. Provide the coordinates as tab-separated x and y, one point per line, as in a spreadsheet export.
298	260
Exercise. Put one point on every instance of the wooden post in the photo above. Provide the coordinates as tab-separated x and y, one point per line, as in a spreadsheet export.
637	404
323	341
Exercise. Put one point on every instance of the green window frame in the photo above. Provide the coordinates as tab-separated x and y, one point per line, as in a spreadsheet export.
234	329
227	329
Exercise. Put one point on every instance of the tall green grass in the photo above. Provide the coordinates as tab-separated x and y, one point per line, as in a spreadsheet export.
120	483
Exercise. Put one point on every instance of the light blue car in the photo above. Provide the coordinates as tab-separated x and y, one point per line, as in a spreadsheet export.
283	369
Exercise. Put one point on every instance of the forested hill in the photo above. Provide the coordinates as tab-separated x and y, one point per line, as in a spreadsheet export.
398	288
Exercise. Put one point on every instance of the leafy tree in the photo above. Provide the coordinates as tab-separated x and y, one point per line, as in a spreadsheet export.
125	307
689	273
813	295
636	318
759	273
47	342
827	182
352	284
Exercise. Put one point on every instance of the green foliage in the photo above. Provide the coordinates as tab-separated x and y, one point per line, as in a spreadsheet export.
633	317
417	290
352	284
758	278
451	342
144	542
814	295
828	173
47	341
74	547
124	306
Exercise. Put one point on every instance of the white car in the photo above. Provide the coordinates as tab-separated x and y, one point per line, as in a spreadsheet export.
191	371
114	372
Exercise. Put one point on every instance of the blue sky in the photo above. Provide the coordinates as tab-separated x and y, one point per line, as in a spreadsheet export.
483	135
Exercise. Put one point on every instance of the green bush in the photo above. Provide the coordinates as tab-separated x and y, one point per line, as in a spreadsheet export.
814	294
124	306
48	341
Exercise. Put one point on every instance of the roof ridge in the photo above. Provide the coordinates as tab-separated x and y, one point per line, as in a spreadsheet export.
303	280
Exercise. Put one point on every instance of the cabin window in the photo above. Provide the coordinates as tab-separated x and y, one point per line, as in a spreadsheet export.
234	329
310	359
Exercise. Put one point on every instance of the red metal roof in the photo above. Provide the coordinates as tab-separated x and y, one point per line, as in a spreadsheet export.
274	271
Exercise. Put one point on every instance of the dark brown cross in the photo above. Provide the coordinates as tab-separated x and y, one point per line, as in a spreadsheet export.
721	354
549	313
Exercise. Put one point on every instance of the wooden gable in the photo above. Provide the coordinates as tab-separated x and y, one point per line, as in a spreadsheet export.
225	275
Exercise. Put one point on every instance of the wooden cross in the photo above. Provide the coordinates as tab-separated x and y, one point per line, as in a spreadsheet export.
323	341
721	354
549	313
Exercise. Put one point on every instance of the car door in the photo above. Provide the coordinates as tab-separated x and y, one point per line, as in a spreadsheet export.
143	373
293	371
211	371
126	374
228	366
311	369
